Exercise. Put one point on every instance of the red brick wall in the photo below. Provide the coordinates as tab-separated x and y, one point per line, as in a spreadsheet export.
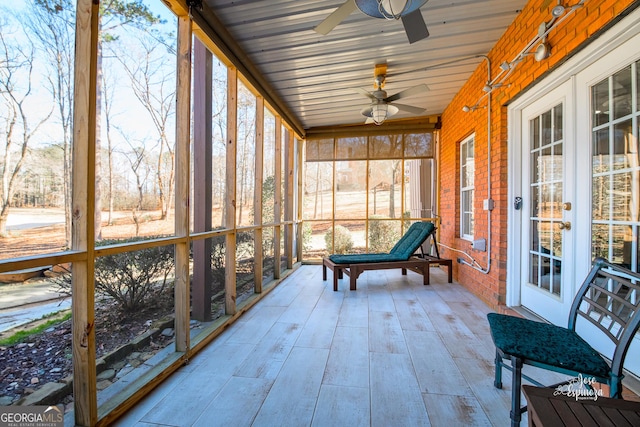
565	39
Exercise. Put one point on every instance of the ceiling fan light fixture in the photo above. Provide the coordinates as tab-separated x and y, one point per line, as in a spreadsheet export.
393	9
389	9
379	113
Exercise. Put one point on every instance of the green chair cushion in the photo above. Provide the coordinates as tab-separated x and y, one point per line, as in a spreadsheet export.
402	251
364	258
545	343
412	239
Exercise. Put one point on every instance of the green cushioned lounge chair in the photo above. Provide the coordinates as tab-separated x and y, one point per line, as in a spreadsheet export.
400	256
607	303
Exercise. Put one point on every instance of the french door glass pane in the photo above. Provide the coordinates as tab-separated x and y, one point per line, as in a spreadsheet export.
621	93
546	198
615	184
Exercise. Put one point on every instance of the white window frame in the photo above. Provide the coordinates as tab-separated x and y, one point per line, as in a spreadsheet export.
467	187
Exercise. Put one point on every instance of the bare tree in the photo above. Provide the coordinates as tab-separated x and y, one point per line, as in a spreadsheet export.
153	85
219	122
136	158
51	23
16	71
245	164
107	92
114	14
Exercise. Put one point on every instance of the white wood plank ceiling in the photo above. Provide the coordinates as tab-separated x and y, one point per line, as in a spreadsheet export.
312	74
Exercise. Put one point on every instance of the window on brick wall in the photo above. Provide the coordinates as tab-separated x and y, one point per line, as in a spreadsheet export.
467	172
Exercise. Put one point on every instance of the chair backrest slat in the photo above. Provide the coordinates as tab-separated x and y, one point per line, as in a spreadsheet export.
609	299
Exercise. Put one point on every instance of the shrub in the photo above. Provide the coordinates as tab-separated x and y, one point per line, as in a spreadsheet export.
383	234
306	236
343	241
244	248
132	279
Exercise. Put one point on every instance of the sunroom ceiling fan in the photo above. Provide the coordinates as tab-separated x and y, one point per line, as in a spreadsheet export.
382	106
406	10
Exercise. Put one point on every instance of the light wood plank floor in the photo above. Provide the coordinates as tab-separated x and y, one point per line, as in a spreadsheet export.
392	353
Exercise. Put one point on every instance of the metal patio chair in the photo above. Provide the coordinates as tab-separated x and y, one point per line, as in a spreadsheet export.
606	304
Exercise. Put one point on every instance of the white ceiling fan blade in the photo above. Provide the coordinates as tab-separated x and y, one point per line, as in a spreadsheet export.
408	92
414	26
339	15
365	93
410	109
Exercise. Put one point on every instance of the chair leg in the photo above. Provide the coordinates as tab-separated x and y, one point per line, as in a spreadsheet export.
355	272
516	383
425	274
615	388
324	272
498	379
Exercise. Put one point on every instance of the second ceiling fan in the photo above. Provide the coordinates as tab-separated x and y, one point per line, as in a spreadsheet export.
406	10
383	106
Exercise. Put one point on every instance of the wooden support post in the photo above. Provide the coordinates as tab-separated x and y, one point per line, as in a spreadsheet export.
202	173
300	229
183	155
277	208
288	201
230	204
83	213
257	199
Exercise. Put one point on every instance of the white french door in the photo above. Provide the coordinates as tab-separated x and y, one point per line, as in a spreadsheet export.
547	201
575	162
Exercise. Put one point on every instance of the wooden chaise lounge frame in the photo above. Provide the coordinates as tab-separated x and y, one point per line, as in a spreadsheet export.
401	256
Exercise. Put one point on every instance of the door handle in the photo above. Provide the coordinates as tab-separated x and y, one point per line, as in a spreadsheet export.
564	225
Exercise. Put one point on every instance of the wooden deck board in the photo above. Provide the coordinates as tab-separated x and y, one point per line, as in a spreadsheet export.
294	394
395	394
354	313
268	356
412	316
436	370
455	411
348	363
385	333
393	352
346	406
228	410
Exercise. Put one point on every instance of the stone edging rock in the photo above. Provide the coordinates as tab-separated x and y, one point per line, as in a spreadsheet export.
52	393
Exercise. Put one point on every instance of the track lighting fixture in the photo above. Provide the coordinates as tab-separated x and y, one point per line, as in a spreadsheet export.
558	11
467	109
538	47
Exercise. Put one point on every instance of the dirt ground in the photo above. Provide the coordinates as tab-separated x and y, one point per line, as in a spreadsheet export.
46	357
50	238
